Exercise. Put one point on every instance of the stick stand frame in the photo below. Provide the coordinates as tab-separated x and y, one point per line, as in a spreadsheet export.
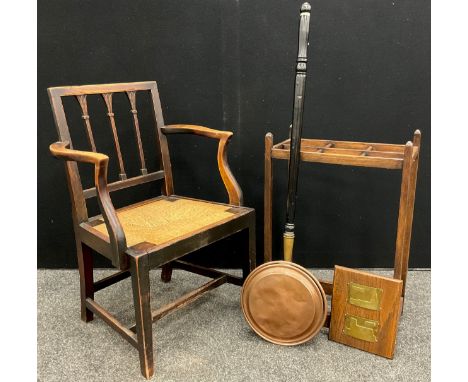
377	155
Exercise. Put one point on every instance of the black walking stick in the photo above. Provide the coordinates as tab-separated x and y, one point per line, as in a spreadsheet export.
296	131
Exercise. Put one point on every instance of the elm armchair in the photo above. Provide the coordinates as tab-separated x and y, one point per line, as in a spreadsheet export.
152	233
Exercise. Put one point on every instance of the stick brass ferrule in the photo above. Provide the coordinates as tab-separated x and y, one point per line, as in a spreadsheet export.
288	244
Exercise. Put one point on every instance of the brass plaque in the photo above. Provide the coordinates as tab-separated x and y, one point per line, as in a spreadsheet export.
364	296
361	328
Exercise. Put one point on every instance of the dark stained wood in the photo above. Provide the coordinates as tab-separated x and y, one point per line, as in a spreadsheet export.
120	185
137	260
207	272
185	299
166	272
85	267
139	267
251	262
111	321
85	116
110	113
168	187
188	298
94	239
132	98
327	287
111	280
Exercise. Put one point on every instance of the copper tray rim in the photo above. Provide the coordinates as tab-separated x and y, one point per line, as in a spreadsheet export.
308	275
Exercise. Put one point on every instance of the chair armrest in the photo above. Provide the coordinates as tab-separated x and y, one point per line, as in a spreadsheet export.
100	161
61	150
197	130
230	183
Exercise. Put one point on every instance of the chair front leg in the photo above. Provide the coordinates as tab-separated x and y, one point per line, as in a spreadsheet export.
139	269
85	267
251	262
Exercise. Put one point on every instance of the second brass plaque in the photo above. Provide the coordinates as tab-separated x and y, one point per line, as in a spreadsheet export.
361	328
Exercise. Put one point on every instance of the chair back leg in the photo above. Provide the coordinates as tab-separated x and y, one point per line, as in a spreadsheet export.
166	272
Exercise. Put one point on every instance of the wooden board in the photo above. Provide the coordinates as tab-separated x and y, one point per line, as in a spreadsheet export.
351	319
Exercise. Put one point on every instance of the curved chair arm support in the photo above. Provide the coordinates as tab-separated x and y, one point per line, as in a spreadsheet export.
230	183
100	161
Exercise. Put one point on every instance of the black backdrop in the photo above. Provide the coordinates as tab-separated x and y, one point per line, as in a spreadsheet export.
230	65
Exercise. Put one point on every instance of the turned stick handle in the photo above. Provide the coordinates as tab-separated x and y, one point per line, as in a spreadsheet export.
296	131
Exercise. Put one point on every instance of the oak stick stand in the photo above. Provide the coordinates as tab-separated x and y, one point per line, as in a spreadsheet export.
404	157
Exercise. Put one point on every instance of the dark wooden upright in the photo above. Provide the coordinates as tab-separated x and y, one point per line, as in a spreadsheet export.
297	117
153	233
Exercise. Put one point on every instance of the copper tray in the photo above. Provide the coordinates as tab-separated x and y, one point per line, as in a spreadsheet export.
284	303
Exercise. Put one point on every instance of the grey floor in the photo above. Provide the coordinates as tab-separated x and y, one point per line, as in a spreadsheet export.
209	339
